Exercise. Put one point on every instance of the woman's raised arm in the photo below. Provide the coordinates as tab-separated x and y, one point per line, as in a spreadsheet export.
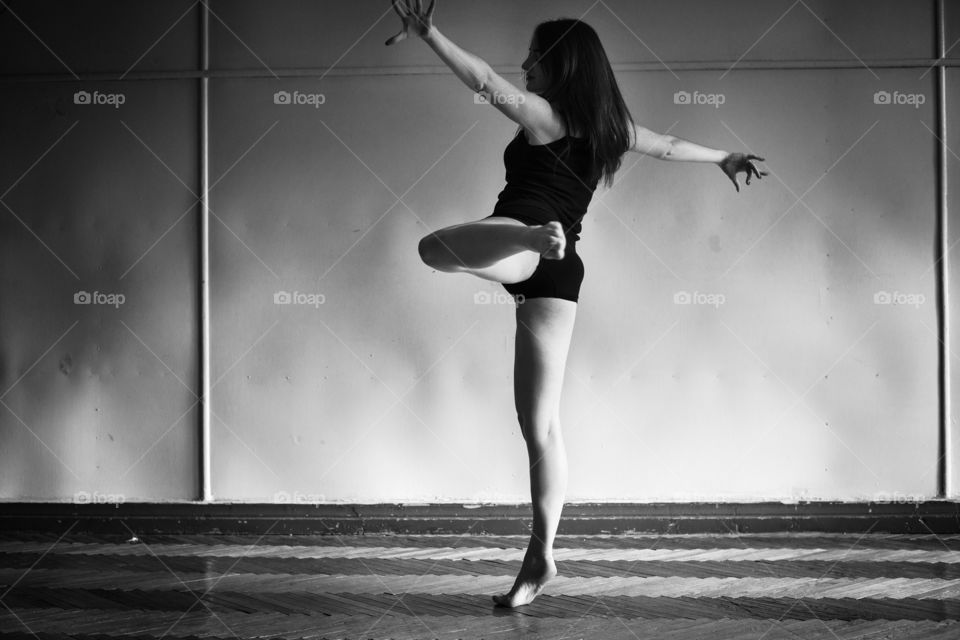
523	107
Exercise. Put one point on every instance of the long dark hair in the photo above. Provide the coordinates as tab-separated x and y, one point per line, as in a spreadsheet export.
584	90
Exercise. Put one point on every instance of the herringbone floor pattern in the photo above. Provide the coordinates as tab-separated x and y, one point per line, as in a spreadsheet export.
713	587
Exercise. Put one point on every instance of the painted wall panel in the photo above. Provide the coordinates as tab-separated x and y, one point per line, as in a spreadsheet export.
717	398
255	35
388	328
99	398
106	35
953	276
951	10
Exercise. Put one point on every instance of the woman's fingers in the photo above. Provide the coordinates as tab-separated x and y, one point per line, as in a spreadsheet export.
401	10
411	13
759	174
397	38
751	170
756	172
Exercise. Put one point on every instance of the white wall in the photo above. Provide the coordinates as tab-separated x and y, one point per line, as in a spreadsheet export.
398	387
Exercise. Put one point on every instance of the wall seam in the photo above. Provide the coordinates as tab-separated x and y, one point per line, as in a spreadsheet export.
624	67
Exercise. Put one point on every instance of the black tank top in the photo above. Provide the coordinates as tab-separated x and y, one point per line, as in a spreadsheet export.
557	177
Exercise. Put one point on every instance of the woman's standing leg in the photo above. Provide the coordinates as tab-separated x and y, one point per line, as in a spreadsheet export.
544	328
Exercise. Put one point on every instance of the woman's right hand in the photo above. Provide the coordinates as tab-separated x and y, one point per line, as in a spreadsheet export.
414	18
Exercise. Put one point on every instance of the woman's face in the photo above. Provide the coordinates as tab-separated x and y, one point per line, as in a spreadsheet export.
536	77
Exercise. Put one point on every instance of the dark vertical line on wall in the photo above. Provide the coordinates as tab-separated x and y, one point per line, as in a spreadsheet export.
206	493
945	456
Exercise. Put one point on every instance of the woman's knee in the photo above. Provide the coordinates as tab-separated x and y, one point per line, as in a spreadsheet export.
432	251
539	430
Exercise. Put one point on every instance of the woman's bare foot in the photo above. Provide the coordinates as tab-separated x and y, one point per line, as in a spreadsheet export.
548	240
535	572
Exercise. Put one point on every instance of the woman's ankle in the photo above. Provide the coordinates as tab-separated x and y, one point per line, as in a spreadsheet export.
528	238
538	549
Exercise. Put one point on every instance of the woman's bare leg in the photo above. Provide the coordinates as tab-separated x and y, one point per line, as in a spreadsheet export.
500	249
544	328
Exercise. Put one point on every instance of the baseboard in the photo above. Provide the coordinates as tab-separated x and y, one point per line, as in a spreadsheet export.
935	516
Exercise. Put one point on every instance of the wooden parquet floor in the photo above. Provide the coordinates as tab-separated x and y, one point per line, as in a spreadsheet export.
713	587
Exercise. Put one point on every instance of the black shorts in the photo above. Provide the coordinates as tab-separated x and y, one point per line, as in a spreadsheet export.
552	278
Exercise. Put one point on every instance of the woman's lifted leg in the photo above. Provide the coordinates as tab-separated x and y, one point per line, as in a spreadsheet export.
499	249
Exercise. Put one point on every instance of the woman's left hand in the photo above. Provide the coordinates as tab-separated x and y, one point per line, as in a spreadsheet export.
734	163
414	17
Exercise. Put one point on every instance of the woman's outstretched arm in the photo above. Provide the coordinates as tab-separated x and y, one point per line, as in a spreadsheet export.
667	147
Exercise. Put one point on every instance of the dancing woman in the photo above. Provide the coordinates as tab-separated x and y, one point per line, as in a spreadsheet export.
573	130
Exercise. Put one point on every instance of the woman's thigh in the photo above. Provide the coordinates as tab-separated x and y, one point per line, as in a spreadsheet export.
487	220
509	270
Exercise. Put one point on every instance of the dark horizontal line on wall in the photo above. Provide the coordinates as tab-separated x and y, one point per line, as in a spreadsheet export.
934	516
626	67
